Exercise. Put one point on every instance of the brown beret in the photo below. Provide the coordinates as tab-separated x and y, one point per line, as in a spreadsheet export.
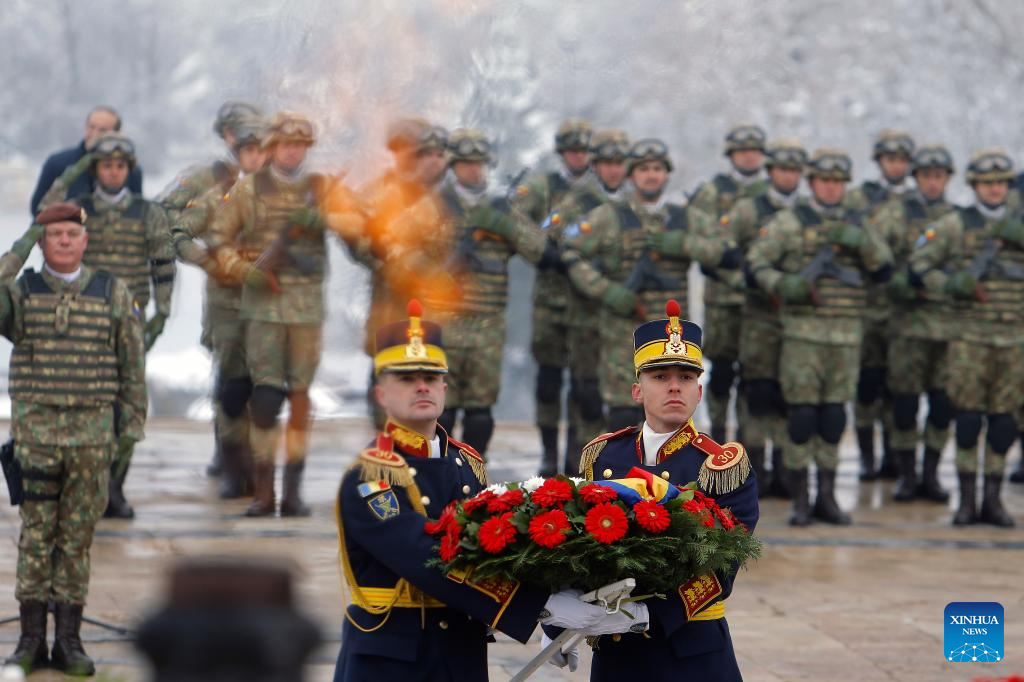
61	212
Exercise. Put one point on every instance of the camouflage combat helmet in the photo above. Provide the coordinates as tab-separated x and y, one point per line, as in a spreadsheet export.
990	165
609	145
468	144
830	163
893	142
744	136
649	149
233	113
573	135
291	126
113	145
417	134
786	152
250	131
932	156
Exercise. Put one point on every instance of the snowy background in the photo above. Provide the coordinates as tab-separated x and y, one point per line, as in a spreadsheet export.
826	71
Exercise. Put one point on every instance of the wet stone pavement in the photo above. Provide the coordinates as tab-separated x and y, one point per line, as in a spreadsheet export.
860	603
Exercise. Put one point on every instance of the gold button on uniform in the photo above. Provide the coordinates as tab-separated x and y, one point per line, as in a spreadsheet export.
665	475
412	471
466	489
616	637
443	625
458	461
607	473
425	500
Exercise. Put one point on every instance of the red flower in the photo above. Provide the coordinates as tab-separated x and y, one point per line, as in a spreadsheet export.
443	523
552	492
607	522
472	504
549	528
693	506
596	494
651	516
725	517
709	520
506	501
497	533
450	543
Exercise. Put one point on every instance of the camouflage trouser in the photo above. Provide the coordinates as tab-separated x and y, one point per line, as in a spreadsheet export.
760	353
474	345
917	366
586	416
722	329
874	356
283	355
550	348
53	549
227	335
616	371
823	454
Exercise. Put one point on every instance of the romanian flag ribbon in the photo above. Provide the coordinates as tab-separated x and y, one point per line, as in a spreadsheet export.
641	485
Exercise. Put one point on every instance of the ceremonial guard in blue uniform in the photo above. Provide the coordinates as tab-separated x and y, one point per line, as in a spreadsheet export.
688	638
408	621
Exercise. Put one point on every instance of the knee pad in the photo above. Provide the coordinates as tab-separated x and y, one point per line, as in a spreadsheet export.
831	422
447	420
478	427
904	411
968	427
1002	431
587	395
764	397
621	417
234	395
549	384
803	423
723	374
265	405
940	409
870	385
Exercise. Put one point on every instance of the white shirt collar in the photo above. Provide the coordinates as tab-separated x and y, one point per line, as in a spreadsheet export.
652	443
111	198
435	447
991	213
68	277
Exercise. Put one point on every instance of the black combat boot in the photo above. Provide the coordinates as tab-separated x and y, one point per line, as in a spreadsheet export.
889	469
549	458
291	502
756	456
263	498
906	487
779	486
967	512
866	443
801	498
234	482
31	651
573	450
117	504
929	488
1018	474
992	510
68	655
825	506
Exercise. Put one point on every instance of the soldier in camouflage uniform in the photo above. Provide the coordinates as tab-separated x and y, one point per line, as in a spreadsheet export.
817	258
479	236
892	152
77	376
538	198
189	187
129	238
761	332
269	235
975	255
631	255
723	296
918	329
224	325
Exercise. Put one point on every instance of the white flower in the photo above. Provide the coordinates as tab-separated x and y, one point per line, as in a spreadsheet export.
531	484
498	488
576	480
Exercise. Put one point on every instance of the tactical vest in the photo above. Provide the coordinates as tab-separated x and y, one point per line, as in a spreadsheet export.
273	203
478	259
1005	294
558	187
875	193
836	298
66	353
756	297
727	191
118	244
634	246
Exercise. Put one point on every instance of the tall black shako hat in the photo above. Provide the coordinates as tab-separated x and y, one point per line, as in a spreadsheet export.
412	345
662	343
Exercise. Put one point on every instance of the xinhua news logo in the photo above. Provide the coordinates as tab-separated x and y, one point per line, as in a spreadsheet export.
973	632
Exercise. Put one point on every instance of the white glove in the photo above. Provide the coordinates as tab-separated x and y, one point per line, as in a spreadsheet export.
565	610
619	622
560	659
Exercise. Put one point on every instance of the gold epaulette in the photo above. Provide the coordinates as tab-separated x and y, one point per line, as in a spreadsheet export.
592	449
382	463
726	467
473	458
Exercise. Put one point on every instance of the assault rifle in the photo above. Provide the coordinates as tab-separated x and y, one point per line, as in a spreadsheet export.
824	265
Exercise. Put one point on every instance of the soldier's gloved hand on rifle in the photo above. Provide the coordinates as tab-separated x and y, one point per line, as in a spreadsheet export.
561	659
74	171
486	217
848	237
632	617
309	219
1011	231
620	300
793	288
23	247
962	284
565	610
900	289
672	243
153	329
258	279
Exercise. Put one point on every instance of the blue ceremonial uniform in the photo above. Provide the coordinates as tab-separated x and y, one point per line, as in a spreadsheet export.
408	621
679	645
